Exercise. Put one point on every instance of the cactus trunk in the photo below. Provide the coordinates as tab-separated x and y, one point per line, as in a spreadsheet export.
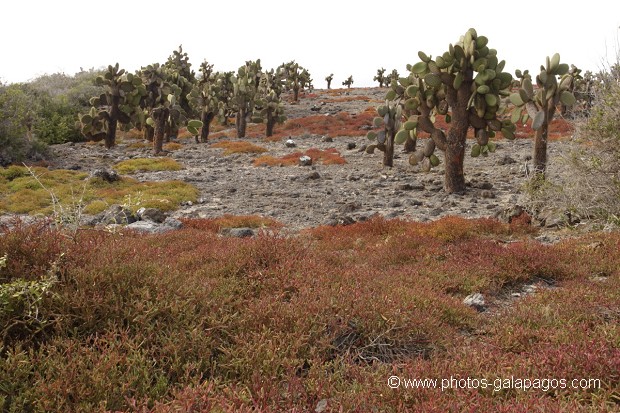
241	123
148	133
410	145
540	142
455	146
388	154
271	122
206	119
295	93
329	84
159	116
110	137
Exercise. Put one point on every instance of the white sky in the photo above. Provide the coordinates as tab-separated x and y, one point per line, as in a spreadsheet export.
325	36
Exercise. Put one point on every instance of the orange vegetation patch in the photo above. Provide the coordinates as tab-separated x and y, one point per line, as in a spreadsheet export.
172	146
348	99
341	124
231	221
329	156
238	147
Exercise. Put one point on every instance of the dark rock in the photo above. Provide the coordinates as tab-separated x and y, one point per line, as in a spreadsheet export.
506	160
305	161
435	212
395	204
351	145
313	176
327	139
151	214
485	185
411	187
350	207
117	214
243	232
487	194
362	148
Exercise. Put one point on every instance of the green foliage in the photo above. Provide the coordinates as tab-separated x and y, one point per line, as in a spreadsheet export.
146	164
245	92
268	107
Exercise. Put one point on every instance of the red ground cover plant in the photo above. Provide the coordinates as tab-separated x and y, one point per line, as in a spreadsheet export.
193	321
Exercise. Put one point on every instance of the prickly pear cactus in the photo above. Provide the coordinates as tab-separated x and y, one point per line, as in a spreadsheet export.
348	82
269	108
555	82
296	78
464	86
204	100
118	104
383	80
245	90
329	79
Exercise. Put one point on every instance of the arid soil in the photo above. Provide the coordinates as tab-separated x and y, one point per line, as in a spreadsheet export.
302	196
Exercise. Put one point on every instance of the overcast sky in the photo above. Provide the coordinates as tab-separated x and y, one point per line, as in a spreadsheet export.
325	36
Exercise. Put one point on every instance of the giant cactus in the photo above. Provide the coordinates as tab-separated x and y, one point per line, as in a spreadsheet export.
464	84
161	101
381	78
119	102
296	77
245	89
329	79
554	84
204	97
268	106
348	82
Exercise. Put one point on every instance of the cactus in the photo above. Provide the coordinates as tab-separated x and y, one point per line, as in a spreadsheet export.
348	82
119	103
296	78
160	102
204	99
464	84
329	79
555	83
245	89
381	78
394	76
268	106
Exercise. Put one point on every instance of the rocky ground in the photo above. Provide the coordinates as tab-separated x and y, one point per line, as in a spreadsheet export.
302	196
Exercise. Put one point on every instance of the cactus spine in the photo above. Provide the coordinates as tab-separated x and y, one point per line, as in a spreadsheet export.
555	83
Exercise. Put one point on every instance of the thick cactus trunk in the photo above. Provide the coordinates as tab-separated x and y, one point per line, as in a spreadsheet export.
271	123
540	143
110	137
149	133
241	123
206	119
388	155
454	182
159	116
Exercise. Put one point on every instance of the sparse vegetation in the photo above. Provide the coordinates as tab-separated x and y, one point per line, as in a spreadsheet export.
231	147
326	157
22	194
348	82
131	166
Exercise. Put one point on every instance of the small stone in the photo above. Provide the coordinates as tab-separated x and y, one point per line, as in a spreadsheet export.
106	175
305	160
351	145
485	185
487	194
506	160
395	204
151	214
290	143
321	406
313	176
435	212
327	139
475	300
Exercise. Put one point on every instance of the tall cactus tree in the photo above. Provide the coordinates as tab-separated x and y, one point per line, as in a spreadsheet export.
296	77
123	92
348	82
269	107
555	83
204	97
464	84
381	78
329	79
245	89
161	99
